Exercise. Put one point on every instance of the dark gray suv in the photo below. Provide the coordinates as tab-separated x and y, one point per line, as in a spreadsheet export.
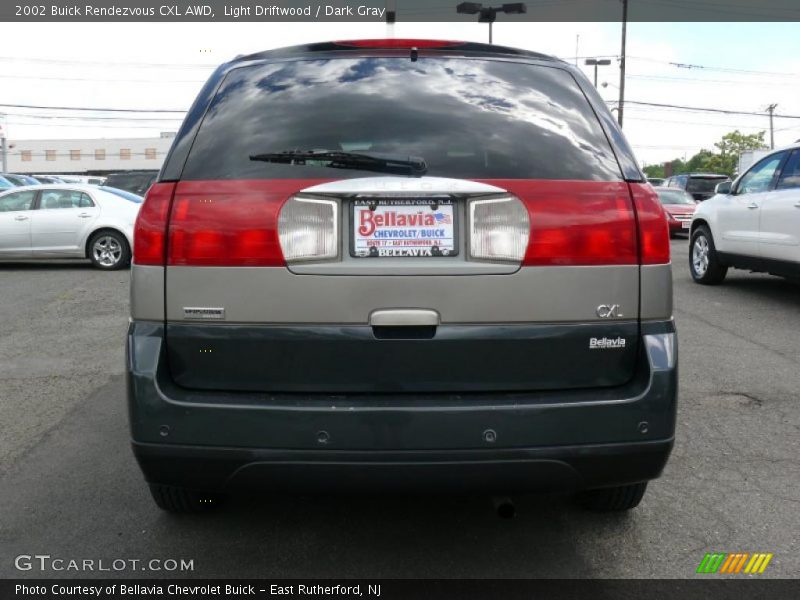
401	265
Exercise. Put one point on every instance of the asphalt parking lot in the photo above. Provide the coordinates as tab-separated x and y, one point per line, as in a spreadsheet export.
69	486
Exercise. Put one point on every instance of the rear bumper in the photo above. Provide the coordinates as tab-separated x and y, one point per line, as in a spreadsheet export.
549	440
676	226
557	468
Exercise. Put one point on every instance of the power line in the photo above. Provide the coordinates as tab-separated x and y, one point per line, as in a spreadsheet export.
702	109
97	109
668	78
698	123
712	68
100	125
103	79
103	63
96	118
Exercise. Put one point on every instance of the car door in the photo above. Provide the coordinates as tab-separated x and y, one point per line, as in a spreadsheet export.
15	224
738	213
779	236
60	224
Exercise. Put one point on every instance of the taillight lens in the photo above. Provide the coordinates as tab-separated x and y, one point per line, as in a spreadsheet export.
225	224
654	246
150	230
576	223
499	229
308	229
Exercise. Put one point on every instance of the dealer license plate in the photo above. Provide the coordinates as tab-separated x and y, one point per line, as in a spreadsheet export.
412	227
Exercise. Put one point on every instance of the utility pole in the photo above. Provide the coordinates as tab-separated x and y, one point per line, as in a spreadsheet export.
622	62
577	43
771	110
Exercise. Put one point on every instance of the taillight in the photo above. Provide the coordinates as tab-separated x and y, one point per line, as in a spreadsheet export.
653	226
150	230
308	229
499	229
398	43
577	223
225	223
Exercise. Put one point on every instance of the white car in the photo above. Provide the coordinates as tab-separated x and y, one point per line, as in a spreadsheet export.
68	221
752	223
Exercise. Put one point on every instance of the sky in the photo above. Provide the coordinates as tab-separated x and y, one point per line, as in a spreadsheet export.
736	66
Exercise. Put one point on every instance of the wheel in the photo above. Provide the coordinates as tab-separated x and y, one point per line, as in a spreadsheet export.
703	260
624	497
109	250
181	500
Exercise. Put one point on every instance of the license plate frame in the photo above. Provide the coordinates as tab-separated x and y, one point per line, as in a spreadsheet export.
404	247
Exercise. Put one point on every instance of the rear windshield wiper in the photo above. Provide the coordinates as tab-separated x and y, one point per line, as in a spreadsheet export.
382	163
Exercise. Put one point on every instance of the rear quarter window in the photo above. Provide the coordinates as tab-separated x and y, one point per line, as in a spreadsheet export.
468	118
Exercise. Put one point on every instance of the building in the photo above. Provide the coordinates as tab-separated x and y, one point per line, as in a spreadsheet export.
90	156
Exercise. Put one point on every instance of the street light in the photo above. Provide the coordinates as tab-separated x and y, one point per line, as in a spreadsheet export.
597	62
489	14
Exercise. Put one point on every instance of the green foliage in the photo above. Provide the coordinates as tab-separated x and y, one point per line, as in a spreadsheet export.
654	171
724	160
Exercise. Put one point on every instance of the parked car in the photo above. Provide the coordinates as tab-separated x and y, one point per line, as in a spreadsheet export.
5	183
679	206
655	181
137	182
130	197
82	179
699	185
19	180
48	179
67	221
753	223
401	264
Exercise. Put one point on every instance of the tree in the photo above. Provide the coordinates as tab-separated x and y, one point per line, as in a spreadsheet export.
730	147
654	171
724	161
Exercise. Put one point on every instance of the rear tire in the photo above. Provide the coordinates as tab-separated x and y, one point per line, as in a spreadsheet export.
180	500
109	250
704	263
624	497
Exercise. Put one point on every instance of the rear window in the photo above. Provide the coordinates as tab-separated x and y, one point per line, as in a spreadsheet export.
136	182
675	197
467	118
704	184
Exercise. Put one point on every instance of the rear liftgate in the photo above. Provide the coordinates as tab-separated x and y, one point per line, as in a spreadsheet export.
392	284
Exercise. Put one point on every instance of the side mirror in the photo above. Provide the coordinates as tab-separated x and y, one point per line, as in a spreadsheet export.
724	187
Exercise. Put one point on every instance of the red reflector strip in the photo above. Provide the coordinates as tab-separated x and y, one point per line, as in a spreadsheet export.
149	232
576	223
399	43
653	225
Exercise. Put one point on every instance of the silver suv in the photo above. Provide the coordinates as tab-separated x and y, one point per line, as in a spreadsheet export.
401	264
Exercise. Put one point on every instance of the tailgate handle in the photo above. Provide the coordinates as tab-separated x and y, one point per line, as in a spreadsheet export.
404	317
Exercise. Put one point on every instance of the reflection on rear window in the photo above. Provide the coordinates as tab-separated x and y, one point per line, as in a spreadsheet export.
467	118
